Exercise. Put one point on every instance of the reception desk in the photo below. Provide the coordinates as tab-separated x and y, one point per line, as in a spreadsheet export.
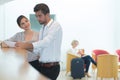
14	66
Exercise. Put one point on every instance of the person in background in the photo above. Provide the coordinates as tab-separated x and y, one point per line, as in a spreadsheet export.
86	58
28	35
49	44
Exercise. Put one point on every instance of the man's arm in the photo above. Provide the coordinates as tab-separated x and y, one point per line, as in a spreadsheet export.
24	45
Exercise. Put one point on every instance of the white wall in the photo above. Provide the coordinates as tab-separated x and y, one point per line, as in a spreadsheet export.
2	22
93	22
117	24
4	1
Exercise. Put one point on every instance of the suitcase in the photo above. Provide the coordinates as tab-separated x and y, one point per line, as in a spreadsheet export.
77	68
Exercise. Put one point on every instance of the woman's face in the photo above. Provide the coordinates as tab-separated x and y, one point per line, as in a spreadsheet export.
25	24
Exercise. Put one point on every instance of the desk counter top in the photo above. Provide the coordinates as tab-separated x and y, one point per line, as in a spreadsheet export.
14	66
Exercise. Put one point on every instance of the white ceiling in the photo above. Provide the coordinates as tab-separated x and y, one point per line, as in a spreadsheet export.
4	1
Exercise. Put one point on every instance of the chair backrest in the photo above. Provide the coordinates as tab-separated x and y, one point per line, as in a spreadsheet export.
118	53
70	56
107	66
97	52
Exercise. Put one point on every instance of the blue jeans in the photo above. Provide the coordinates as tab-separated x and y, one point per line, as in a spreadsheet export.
87	59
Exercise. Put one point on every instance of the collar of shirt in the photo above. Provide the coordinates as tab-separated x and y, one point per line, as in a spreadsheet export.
49	24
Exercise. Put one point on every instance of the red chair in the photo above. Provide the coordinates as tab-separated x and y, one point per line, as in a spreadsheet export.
95	53
118	53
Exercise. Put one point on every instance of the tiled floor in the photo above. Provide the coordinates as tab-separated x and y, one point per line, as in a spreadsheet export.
63	76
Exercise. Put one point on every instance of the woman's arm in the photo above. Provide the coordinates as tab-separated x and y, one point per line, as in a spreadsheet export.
11	41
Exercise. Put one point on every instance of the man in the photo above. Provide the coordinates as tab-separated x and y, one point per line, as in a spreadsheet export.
49	44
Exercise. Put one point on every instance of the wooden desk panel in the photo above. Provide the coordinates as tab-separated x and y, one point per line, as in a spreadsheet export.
14	66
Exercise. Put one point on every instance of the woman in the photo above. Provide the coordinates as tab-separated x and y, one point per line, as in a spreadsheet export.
25	36
86	58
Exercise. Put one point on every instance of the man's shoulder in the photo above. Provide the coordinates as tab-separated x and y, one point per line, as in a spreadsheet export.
56	24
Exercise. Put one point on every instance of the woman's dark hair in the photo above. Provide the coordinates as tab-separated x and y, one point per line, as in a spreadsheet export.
20	18
42	7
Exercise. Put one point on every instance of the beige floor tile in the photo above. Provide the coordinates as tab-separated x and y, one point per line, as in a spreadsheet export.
63	76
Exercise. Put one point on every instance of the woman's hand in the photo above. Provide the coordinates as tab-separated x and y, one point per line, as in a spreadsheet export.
81	52
20	44
4	45
24	45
